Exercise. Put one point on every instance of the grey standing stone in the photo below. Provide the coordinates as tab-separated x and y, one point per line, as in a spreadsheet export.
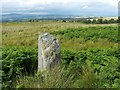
48	52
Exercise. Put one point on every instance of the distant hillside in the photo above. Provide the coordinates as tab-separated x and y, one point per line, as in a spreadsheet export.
24	17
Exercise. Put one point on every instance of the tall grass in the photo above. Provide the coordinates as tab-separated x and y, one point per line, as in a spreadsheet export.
26	33
56	78
59	77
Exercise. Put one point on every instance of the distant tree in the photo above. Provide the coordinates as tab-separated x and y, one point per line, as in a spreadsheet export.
99	21
63	20
119	19
105	21
30	20
88	21
112	21
94	21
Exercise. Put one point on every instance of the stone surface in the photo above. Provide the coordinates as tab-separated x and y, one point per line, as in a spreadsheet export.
48	52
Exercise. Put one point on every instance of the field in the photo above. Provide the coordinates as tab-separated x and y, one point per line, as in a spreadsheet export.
89	55
26	33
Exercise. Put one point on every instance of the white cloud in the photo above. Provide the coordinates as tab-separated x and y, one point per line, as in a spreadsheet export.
59	5
84	7
110	2
43	2
87	7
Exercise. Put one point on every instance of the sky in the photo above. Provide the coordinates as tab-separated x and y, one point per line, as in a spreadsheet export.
62	7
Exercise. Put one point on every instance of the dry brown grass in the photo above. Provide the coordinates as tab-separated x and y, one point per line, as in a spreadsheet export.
26	33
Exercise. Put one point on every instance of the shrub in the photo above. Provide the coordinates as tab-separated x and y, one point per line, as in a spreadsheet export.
91	33
92	68
17	61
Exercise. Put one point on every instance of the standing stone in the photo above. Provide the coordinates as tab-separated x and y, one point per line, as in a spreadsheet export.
48	52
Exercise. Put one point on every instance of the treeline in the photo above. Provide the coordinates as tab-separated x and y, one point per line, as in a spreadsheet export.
94	21
87	21
99	21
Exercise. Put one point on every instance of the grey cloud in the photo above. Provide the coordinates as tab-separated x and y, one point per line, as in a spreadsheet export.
73	8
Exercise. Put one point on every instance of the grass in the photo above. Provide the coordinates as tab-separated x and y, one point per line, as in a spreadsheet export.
58	78
72	36
53	79
26	33
78	44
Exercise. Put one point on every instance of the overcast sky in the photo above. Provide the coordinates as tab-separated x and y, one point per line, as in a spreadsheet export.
62	7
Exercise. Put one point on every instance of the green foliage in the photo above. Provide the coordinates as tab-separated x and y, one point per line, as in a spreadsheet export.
98	21
94	67
17	61
55	78
90	68
104	64
89	33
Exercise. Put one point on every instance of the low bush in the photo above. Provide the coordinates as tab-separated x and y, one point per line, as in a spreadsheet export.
17	61
89	33
87	68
